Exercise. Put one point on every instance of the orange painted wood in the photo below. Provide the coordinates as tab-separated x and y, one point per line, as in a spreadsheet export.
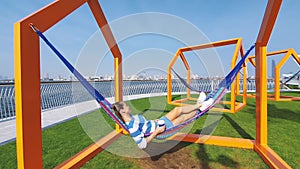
88	153
214	140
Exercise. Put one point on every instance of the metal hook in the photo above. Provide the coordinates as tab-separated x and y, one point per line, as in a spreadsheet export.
35	29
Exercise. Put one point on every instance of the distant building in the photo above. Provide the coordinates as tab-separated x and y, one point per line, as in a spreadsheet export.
195	77
96	78
273	68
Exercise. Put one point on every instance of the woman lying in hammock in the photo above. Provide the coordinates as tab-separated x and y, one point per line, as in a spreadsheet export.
138	125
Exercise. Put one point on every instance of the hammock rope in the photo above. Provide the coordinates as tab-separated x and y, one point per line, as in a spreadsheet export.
186	84
217	94
183	81
292	77
96	95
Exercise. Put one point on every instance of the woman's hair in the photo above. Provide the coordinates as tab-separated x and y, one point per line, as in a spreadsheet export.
116	108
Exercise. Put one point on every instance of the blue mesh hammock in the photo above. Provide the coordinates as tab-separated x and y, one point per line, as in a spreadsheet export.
184	82
289	79
217	94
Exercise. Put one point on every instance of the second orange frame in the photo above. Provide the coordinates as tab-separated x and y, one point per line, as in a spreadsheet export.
239	51
287	54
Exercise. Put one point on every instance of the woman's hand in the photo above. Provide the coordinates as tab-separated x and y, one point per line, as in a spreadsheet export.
156	132
160	129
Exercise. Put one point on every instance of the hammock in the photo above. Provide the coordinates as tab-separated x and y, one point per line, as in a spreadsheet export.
289	79
107	107
246	77
217	94
185	83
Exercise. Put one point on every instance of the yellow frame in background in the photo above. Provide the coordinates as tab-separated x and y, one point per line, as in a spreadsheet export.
276	96
239	50
27	86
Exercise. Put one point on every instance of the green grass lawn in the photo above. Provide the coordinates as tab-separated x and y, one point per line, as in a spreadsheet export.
64	140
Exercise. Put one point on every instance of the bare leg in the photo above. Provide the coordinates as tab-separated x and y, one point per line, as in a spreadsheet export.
177	111
190	108
184	117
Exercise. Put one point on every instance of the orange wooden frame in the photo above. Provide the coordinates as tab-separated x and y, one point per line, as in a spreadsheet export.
27	77
261	143
27	86
288	53
239	50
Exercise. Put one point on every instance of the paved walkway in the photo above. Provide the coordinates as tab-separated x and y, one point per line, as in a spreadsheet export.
59	115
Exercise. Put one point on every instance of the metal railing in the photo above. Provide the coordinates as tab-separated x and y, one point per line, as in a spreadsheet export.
54	95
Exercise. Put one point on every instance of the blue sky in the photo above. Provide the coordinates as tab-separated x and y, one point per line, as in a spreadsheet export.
217	20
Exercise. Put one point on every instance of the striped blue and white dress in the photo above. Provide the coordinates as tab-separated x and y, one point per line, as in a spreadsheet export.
137	126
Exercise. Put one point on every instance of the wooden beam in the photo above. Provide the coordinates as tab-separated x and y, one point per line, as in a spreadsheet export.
270	157
91	151
214	140
268	22
27	79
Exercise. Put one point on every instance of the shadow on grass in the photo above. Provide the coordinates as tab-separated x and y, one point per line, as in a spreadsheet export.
154	147
201	154
235	125
275	112
177	97
209	128
225	161
286	114
238	128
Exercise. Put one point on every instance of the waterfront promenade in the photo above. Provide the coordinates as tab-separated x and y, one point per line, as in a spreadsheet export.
59	115
64	101
54	111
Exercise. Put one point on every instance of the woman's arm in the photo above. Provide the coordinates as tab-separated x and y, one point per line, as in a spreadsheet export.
155	133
